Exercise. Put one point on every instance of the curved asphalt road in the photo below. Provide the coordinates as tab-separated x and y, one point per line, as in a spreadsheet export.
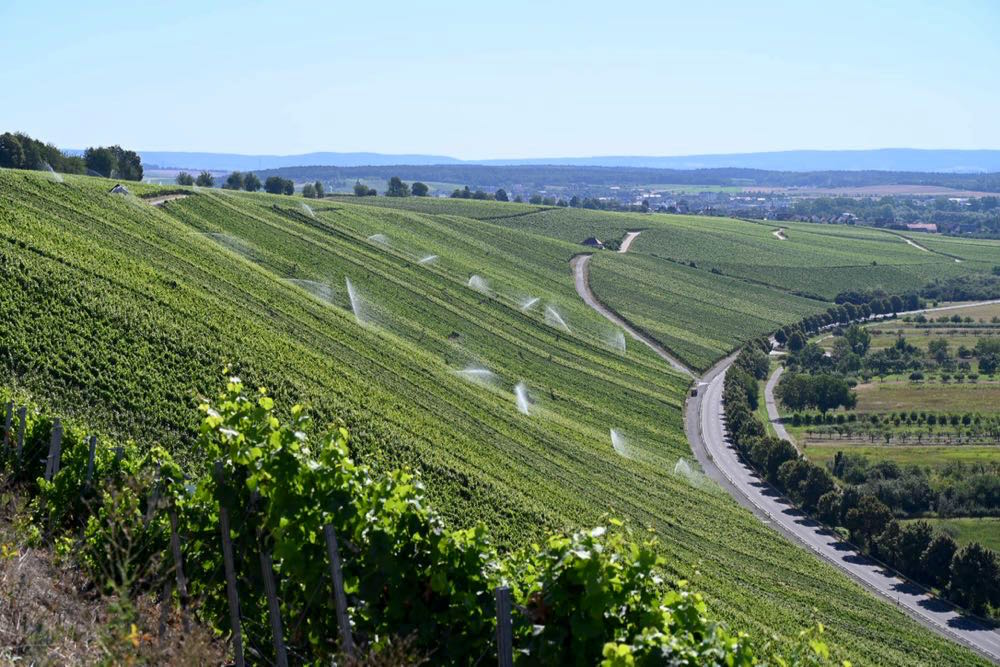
704	425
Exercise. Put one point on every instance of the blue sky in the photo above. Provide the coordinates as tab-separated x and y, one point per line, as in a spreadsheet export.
512	79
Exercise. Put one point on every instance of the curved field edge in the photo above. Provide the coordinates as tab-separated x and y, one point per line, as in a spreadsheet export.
122	314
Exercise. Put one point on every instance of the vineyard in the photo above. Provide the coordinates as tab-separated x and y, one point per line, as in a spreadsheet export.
121	315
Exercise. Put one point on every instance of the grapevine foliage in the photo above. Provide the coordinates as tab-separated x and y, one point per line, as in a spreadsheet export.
578	598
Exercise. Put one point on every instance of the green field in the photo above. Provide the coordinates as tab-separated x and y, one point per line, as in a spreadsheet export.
951	397
921	455
985	530
122	315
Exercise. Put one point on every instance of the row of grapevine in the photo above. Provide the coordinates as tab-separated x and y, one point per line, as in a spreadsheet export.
120	314
283	494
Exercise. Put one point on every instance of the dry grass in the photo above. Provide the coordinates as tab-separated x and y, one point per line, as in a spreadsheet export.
50	614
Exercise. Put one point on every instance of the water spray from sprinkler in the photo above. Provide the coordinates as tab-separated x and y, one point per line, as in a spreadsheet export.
554	319
521	395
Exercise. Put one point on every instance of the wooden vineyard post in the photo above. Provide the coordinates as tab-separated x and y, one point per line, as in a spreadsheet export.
55	451
90	463
175	547
273	608
22	419
6	428
505	634
165	607
336	573
270	590
227	559
154	500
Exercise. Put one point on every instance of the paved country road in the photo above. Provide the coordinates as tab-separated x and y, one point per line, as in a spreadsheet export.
705	429
709	436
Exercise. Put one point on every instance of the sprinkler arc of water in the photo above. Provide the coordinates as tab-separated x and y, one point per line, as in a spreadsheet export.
553	318
476	373
53	175
355	299
479	284
521	396
529	302
619	444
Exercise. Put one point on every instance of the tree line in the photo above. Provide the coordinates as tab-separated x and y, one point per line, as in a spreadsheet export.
204	180
488	177
969	576
20	151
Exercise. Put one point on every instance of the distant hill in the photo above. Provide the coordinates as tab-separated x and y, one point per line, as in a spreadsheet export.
885	159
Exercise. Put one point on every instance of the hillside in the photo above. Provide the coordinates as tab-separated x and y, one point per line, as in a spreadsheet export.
123	314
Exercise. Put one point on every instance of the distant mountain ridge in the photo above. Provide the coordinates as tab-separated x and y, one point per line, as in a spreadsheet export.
884	159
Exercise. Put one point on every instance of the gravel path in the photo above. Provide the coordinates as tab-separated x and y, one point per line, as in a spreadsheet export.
160	201
772	406
580	266
627	241
780	234
914	244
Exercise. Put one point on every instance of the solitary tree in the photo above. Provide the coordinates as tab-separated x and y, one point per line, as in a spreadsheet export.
309	191
184	178
100	160
796	342
128	163
360	189
975	577
288	187
274	185
397	188
988	363
419	189
205	180
868	519
501	195
936	559
914	539
250	182
320	193
234	181
859	338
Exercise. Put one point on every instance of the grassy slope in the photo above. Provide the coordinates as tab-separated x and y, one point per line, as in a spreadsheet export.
985	530
123	314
